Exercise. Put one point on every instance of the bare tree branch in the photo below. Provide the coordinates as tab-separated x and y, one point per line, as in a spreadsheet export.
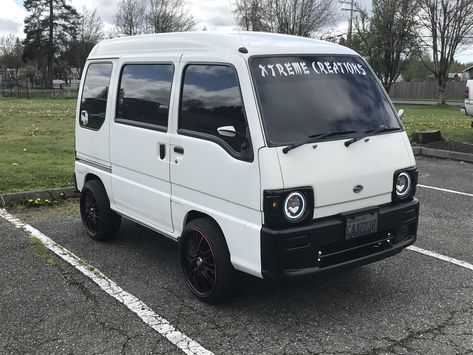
130	17
168	16
449	25
295	17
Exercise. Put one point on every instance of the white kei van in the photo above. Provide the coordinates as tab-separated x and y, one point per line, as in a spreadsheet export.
274	155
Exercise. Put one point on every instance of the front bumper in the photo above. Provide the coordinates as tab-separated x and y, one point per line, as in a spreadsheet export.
321	246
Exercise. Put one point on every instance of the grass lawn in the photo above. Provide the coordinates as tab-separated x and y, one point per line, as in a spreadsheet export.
451	122
37	139
36	143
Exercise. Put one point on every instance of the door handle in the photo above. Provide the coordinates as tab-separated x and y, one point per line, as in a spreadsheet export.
162	151
179	150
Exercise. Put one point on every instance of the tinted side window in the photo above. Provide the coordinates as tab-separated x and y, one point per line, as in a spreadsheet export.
211	99
144	94
94	95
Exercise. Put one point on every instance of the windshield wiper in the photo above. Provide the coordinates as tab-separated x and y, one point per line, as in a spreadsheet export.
370	132
315	137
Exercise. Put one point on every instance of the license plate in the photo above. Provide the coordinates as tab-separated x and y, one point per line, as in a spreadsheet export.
361	225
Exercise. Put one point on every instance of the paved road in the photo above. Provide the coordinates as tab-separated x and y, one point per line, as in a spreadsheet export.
407	304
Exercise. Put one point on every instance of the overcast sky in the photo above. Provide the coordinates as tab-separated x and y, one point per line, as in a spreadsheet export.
216	15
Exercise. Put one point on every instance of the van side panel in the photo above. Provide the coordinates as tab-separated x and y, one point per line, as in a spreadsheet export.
84	169
93	145
208	179
240	225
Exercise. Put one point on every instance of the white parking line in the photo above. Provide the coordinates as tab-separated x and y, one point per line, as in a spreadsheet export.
445	190
442	257
147	315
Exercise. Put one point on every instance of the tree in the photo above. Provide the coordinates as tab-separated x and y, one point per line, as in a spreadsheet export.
130	17
168	16
11	52
49	27
448	25
250	15
89	32
414	68
295	17
389	38
393	29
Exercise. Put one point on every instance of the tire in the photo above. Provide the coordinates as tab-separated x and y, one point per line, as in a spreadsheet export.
205	261
100	222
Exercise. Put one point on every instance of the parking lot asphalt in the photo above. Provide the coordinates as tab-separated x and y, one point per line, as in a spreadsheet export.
407	304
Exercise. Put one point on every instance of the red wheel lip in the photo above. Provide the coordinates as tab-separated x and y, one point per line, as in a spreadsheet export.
189	283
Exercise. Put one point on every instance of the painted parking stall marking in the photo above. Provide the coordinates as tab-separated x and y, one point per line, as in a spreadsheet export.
445	190
147	315
441	257
437	255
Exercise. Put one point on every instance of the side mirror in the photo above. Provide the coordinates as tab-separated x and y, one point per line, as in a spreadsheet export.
227	131
400	114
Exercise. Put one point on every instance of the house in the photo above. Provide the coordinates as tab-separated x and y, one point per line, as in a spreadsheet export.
467	73
455	76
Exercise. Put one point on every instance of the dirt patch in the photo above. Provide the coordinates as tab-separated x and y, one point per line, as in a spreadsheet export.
451	145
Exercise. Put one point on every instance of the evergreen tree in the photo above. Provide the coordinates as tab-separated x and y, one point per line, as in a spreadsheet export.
49	27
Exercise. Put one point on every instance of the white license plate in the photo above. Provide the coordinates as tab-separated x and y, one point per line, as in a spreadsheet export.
361	225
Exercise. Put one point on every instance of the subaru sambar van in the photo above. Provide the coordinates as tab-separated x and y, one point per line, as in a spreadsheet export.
272	155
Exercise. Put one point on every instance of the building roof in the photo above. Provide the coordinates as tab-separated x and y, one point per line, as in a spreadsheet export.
181	42
467	69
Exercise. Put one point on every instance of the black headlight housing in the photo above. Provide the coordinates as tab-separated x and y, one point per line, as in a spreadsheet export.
288	207
404	184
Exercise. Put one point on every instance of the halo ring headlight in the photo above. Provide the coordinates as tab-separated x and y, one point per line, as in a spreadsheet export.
403	185
294	206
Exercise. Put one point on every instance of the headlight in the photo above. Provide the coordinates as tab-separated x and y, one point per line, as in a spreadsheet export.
403	185
285	207
294	206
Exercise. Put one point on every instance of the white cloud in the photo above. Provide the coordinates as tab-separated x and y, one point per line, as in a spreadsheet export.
11	18
215	15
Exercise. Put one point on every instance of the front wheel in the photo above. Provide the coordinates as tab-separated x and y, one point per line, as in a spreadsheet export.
99	220
205	261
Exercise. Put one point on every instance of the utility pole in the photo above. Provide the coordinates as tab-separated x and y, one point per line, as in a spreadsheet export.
351	3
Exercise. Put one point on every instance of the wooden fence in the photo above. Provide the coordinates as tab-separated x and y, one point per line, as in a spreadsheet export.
426	90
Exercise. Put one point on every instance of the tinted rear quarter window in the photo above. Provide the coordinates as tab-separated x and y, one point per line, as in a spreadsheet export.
94	95
144	93
211	99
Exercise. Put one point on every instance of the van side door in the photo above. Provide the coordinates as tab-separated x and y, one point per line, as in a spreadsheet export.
212	172
139	143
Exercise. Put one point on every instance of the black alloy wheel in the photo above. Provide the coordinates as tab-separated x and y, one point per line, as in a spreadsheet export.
99	220
199	263
205	261
90	212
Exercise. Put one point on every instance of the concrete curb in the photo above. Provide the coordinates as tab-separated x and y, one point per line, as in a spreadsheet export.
70	191
444	154
52	194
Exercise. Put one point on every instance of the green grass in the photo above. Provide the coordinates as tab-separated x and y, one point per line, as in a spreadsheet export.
451	122
37	139
41	250
36	144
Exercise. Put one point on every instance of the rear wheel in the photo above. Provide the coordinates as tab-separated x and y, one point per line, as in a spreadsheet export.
99	220
205	261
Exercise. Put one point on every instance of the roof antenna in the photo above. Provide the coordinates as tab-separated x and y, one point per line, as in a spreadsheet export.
242	49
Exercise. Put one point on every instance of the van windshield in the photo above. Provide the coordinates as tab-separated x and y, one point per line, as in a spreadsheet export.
302	96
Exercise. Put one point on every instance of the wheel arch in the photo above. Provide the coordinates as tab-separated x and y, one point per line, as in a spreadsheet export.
194	214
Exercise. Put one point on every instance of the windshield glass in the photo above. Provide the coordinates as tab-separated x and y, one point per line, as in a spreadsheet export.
300	96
